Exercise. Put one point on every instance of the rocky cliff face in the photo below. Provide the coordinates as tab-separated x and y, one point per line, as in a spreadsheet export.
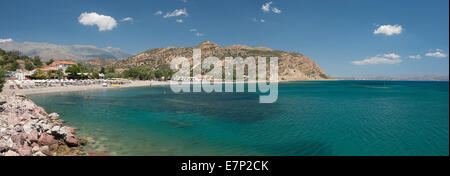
292	66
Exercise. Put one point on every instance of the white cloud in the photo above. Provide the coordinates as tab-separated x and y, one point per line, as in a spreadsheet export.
192	30
392	56
177	12
179	20
380	59
184	1
276	10
103	22
127	19
418	56
6	40
389	30
266	7
258	20
159	12
437	53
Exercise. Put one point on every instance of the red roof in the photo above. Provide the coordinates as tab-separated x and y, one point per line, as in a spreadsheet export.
48	69
62	63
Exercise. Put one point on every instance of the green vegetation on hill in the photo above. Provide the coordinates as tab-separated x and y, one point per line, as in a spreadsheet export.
145	72
13	60
10	61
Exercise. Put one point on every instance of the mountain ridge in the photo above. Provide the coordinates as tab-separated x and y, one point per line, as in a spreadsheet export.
292	65
77	53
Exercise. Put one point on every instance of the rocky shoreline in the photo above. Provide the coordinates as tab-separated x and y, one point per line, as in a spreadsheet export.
27	130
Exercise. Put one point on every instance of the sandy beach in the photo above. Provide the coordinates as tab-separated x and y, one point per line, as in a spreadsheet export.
72	88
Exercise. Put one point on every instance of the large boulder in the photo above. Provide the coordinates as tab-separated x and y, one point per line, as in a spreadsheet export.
35	149
39	154
45	150
41	111
72	141
46	139
66	131
53	116
18	139
7	141
18	128
45	127
55	129
27	127
25	150
10	153
3	147
3	132
27	116
33	136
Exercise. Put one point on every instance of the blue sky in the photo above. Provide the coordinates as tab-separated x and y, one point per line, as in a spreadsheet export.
337	34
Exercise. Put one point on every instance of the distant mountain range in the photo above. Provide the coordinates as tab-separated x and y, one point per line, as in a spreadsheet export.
49	51
411	77
292	66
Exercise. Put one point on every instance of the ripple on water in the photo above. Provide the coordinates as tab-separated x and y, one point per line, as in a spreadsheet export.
309	118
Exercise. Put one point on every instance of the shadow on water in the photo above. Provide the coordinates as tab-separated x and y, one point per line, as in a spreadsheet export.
238	107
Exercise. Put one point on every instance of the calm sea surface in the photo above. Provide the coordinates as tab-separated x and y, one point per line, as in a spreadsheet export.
309	118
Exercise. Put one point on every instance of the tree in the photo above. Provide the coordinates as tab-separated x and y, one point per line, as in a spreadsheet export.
13	55
60	73
113	75
73	70
96	75
37	61
2	52
140	72
102	70
3	61
40	75
13	67
110	69
24	58
158	74
6	59
57	74
49	62
29	66
164	71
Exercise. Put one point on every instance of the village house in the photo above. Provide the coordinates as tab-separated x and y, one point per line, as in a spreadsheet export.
58	65
62	65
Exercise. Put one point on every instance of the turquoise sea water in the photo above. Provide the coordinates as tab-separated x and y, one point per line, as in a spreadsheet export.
309	118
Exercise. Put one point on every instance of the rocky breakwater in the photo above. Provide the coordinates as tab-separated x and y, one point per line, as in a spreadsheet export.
27	130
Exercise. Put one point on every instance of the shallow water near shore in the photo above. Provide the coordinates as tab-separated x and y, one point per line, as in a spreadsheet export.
309	118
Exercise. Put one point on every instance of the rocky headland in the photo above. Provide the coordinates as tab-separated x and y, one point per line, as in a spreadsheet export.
293	66
27	130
